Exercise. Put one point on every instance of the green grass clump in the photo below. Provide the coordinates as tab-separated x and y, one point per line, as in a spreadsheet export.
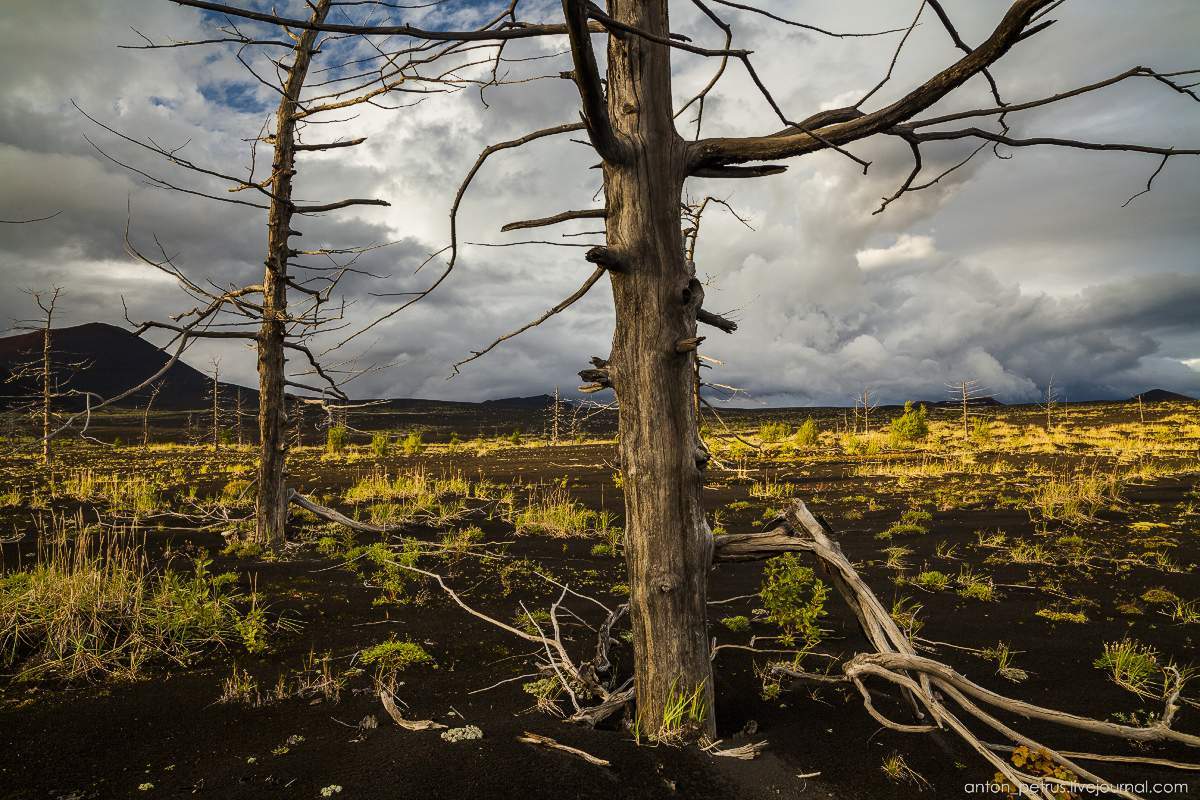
381	444
395	656
737	624
933	580
1056	615
553	512
93	609
122	493
1159	596
1130	664
912	523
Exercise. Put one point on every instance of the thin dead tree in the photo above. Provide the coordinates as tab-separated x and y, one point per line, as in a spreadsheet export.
296	301
45	373
629	120
154	390
215	396
864	403
238	416
1049	403
966	392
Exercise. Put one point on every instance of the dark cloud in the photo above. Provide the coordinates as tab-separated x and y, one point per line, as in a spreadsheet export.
1009	271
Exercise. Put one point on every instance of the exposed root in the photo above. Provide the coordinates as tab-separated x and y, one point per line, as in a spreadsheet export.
931	686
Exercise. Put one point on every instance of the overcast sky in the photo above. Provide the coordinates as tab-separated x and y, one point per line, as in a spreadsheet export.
1009	272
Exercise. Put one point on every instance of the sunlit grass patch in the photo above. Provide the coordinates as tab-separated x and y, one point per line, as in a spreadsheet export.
93	608
553	512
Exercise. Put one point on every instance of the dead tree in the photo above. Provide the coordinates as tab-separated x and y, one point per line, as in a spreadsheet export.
215	395
1048	403
45	374
629	121
295	302
237	415
864	404
965	392
154	390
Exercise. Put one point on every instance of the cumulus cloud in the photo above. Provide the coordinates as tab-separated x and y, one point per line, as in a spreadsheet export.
1007	271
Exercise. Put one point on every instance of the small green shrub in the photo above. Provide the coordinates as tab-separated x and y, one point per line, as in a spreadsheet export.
381	444
738	624
395	656
413	444
336	439
807	435
911	426
794	598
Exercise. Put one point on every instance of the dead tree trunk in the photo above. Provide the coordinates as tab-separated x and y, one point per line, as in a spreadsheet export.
47	377
216	406
656	298
271	506
154	390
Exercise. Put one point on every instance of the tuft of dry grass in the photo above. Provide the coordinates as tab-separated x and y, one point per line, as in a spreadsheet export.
90	607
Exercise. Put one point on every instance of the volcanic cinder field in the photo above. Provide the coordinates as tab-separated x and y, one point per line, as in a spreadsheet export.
148	651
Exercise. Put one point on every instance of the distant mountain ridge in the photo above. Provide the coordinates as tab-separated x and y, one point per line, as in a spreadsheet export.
1159	396
116	361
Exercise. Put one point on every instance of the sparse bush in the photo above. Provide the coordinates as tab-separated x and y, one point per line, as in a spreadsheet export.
413	444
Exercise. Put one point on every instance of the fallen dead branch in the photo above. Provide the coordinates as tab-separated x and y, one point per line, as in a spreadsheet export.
393	711
931	686
331	515
546	741
745	752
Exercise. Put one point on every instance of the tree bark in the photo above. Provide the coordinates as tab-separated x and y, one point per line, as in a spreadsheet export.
271	505
656	298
